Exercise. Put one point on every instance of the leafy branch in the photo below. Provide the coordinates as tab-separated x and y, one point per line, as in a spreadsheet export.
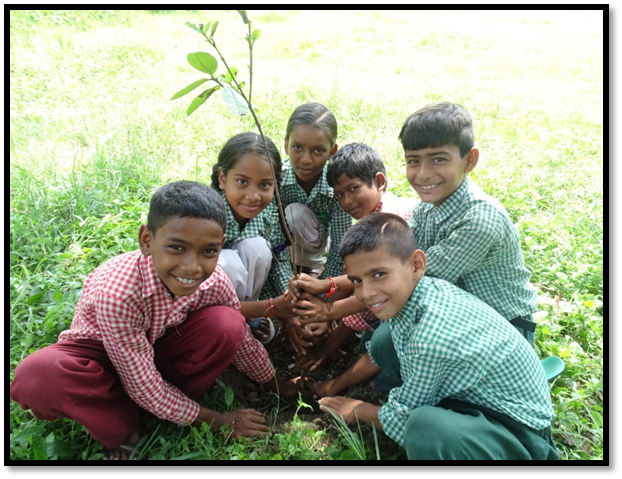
232	91
235	98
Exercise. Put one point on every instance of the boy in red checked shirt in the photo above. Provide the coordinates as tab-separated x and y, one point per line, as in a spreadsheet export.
152	330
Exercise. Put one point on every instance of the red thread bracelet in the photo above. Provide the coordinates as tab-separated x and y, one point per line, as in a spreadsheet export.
271	308
333	288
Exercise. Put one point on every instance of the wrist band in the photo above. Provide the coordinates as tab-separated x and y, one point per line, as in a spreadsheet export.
333	288
272	315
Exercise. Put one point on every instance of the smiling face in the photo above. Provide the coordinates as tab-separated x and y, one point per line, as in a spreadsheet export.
308	148
356	197
184	252
248	186
436	173
382	282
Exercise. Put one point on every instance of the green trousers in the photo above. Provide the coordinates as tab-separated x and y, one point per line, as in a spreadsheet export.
457	430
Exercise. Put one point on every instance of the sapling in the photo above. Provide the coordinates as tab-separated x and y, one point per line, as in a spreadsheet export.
238	102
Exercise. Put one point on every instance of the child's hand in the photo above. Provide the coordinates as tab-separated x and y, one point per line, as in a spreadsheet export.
307	283
246	422
298	336
323	389
341	406
292	387
314	358
312	309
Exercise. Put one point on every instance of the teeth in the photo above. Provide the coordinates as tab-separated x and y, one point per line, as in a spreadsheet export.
185	280
429	187
376	305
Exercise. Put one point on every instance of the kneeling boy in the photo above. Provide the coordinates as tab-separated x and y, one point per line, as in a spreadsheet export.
152	330
463	383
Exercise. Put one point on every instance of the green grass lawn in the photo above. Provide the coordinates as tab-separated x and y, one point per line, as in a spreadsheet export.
93	133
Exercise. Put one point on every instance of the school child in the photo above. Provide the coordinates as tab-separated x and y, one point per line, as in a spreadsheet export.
462	382
467	236
152	331
314	216
244	178
358	177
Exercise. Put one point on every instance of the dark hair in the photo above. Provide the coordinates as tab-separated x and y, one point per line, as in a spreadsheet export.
186	199
241	144
436	125
313	114
377	230
356	160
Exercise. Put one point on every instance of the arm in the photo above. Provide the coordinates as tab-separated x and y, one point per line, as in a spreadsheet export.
132	355
244	422
253	360
317	286
352	410
360	371
319	354
313	310
283	308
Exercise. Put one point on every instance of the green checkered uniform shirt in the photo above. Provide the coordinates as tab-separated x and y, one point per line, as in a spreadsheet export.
265	224
470	241
452	345
333	222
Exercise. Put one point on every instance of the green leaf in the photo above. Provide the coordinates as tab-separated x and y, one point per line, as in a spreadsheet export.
206	27
244	16
255	35
199	100
598	419
58	295
214	25
203	61
235	101
188	88
193	26
228	77
228	396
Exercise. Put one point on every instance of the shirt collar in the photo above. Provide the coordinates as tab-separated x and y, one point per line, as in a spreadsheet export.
321	187
408	313
451	204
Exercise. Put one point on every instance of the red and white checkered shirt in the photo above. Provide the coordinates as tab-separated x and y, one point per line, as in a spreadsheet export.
403	207
126	305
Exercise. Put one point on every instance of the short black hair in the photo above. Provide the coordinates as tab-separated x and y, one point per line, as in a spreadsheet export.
377	230
436	125
185	199
356	160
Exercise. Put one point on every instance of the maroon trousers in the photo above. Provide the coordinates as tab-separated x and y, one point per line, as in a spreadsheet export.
75	379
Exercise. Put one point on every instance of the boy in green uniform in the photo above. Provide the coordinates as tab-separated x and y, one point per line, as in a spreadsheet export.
467	236
463	383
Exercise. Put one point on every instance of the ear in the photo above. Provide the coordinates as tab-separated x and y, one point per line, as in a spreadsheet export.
380	181
418	262
221	179
333	150
144	240
471	157
222	243
286	147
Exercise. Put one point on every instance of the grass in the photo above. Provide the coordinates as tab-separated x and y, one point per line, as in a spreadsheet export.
93	134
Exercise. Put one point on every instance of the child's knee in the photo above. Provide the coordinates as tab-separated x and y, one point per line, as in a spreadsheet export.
424	438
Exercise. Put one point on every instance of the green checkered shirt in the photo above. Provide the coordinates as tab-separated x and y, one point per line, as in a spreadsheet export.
265	224
470	241
452	345
333	221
